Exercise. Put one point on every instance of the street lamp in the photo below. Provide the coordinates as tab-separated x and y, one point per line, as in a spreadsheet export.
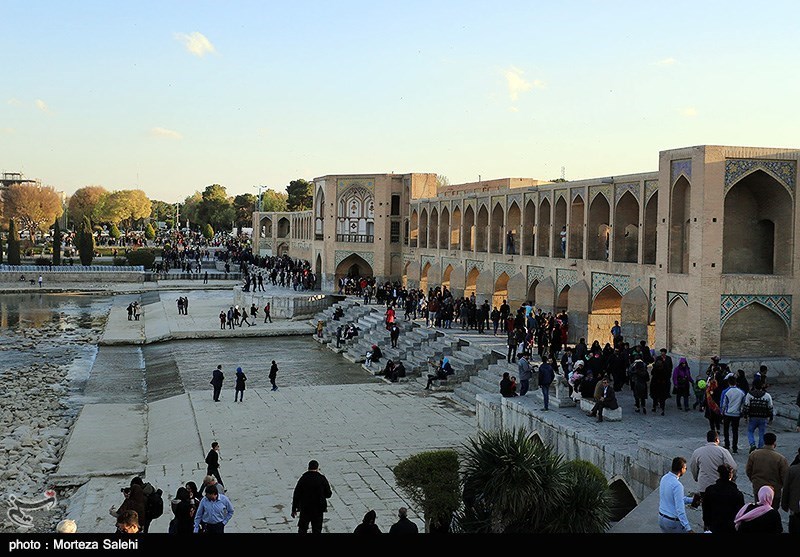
260	188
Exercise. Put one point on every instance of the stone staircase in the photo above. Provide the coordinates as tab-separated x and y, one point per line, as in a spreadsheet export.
486	381
352	309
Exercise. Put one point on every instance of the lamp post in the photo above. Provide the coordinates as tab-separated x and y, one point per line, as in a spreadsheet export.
260	188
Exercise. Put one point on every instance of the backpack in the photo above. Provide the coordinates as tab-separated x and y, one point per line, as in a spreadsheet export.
154	505
759	407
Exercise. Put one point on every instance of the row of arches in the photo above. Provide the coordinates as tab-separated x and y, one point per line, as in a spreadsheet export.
298	228
559	231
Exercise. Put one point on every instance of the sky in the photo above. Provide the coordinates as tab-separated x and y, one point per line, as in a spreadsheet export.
170	96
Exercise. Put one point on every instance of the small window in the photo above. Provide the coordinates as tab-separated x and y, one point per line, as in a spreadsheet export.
395	205
395	238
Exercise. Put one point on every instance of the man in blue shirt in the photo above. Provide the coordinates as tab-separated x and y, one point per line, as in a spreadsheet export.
671	500
214	512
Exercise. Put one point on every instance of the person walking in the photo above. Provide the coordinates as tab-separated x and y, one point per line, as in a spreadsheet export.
205	277
213	513
524	372
672	501
238	395
759	411
273	373
245	319
790	498
310	499
545	378
216	382
267	309
766	466
681	381
721	501
706	460
40	281
760	517
731	407
212	463
403	524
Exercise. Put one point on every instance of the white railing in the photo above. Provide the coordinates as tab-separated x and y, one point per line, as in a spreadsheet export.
72	268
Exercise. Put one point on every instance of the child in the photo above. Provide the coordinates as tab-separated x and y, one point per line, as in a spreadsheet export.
700	395
514	384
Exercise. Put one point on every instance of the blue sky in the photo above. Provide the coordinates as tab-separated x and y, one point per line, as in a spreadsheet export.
172	96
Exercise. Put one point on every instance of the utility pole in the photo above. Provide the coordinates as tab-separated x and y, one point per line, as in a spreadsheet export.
260	188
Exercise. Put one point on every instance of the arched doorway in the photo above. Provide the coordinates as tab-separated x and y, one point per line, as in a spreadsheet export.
472	281
678	326
482	229
414	236
529	236
500	290
532	292
576	219
497	235
680	225
423	278
754	331
544	229
266	228
423	228
513	220
319	215
353	266
283	249
446	277
404	277
599	229
455	230
444	229
433	230
606	308
650	224
757	232
559	223
318	271
468	230
626	229
283	227
563	299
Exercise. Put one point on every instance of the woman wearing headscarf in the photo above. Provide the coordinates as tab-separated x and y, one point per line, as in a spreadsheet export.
760	517
368	525
183	511
681	381
240	379
713	412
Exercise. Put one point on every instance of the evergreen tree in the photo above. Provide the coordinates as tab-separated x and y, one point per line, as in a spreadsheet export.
208	232
86	242
13	243
149	232
56	243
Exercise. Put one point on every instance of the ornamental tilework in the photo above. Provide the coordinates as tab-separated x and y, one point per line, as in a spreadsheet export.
672	296
683	166
620	190
450	261
535	273
560	193
545	195
652	296
621	283
731	303
470	263
341	255
531	197
650	187
565	277
784	171
575	192
508	268
595	190
498	199
408	257
515	197
426	259
343	184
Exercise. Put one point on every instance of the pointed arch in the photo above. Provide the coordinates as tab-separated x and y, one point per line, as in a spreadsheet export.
423	278
446	276
455	229
472	281
626	229
680	225
318	271
482	230
500	290
532	291
559	224
678	336
423	228
562	302
649	232
757	230
544	229
433	229
529	237
577	215
498	226
414	234
513	222
444	229
283	227
599	228
468	229
606	308
622	497
353	266
755	331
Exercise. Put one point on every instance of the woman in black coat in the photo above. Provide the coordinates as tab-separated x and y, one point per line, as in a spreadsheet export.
183	511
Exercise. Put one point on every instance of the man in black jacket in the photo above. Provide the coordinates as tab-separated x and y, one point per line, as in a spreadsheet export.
721	501
310	499
404	525
216	382
212	463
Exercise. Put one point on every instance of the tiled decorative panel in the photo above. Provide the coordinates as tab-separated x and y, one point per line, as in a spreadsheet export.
469	203
731	303
508	268
650	187
595	190
621	283
498	200
620	190
575	192
565	277
341	255
546	195
345	183
450	261
531	197
408	257
535	273
671	296
652	296
560	193
683	166
515	197
470	263
426	259
783	171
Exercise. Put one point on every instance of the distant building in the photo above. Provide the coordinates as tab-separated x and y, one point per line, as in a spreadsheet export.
697	256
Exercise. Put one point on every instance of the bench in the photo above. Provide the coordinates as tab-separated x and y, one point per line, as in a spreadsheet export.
608	415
